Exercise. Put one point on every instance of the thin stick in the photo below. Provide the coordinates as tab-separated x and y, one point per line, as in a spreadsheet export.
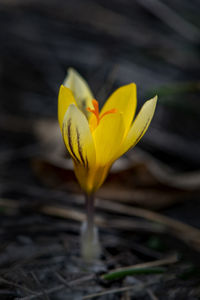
136	288
49	291
152	295
113	291
181	230
58	288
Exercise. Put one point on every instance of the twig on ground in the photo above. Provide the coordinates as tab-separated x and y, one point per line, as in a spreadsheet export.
187	233
112	291
49	291
151	294
14	284
46	297
76	281
137	288
58	288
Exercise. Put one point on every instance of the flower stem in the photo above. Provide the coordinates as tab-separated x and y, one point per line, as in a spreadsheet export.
89	199
90	247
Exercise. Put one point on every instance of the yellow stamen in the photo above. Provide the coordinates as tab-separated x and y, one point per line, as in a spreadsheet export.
95	111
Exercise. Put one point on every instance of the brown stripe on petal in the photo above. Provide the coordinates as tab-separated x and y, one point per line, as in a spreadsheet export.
70	141
80	150
87	165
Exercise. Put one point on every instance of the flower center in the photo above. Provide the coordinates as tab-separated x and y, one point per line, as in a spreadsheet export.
95	111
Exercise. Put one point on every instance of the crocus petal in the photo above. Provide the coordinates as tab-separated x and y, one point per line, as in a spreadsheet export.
65	98
139	126
124	100
99	175
78	138
107	137
80	89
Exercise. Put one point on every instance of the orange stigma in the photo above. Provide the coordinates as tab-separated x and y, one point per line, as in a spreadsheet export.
95	111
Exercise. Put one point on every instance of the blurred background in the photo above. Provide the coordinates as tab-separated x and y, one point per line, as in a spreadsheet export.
153	43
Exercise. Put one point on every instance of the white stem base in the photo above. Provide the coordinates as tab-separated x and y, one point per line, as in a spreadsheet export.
90	246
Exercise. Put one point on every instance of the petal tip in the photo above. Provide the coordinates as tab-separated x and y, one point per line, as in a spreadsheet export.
155	98
153	101
71	70
61	87
133	84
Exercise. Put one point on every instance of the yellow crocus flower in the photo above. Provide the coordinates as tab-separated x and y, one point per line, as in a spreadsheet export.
95	139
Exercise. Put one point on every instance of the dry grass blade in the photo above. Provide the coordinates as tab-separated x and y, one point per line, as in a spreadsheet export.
8	203
75	215
14	284
58	288
45	296
76	281
187	233
66	213
151	294
47	292
137	288
111	291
